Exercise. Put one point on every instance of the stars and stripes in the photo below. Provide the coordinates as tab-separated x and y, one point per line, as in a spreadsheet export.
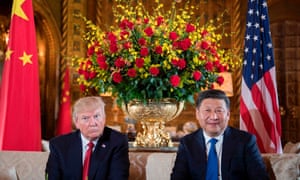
259	106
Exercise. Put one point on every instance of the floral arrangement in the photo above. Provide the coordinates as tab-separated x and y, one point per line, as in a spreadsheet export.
153	55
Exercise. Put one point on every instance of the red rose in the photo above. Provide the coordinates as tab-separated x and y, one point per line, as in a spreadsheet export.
127	45
119	62
190	28
185	44
173	36
181	63
226	68
99	52
117	77
82	87
123	23
174	62
111	37
113	48
158	50
144	51
131	72
175	44
139	62
124	34
142	42
146	20
88	64
213	50
205	45
209	66
154	71
88	75
149	31
130	25
222	68
175	80
216	63
92	74
80	71
220	80
197	75
84	73
204	33
159	20
103	65
101	57
101	62
90	50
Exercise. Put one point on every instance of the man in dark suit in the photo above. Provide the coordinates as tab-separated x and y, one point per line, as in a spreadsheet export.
238	156
109	157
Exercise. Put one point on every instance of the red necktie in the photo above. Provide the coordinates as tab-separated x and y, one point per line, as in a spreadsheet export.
86	163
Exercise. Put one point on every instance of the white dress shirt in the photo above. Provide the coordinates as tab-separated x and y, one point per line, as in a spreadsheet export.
85	146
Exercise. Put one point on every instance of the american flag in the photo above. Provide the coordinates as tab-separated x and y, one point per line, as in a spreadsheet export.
259	107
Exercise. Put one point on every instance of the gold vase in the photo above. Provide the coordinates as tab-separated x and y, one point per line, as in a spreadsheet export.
153	115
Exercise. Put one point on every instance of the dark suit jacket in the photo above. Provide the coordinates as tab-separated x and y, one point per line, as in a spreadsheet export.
109	160
241	159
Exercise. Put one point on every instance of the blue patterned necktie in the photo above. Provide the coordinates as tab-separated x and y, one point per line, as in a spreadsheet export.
212	169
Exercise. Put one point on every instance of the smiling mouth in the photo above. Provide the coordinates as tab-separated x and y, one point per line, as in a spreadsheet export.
213	124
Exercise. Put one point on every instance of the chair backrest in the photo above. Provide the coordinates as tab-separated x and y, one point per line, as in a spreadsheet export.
292	148
27	165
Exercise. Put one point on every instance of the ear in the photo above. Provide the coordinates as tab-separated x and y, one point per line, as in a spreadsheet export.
197	114
76	123
228	114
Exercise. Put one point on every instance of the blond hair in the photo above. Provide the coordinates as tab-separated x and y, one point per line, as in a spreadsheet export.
88	103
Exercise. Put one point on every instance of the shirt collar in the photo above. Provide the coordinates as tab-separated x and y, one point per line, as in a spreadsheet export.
85	141
207	137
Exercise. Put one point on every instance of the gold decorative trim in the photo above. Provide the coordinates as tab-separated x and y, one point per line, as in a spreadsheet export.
237	46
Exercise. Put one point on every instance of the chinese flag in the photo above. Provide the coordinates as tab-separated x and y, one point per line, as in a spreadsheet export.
64	117
20	127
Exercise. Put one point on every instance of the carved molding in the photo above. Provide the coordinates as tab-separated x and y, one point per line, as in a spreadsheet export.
237	46
48	35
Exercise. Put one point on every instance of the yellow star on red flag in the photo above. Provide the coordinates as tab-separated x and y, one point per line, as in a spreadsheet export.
26	58
17	9
8	54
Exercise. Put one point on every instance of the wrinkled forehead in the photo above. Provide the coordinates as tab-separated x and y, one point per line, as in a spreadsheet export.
88	106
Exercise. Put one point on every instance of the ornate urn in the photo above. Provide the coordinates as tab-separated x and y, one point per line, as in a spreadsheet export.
153	115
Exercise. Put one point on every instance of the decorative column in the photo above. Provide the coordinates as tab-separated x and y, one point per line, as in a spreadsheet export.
72	43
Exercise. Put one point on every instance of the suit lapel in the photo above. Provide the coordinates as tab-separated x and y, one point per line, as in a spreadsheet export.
75	155
228	147
200	158
99	154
